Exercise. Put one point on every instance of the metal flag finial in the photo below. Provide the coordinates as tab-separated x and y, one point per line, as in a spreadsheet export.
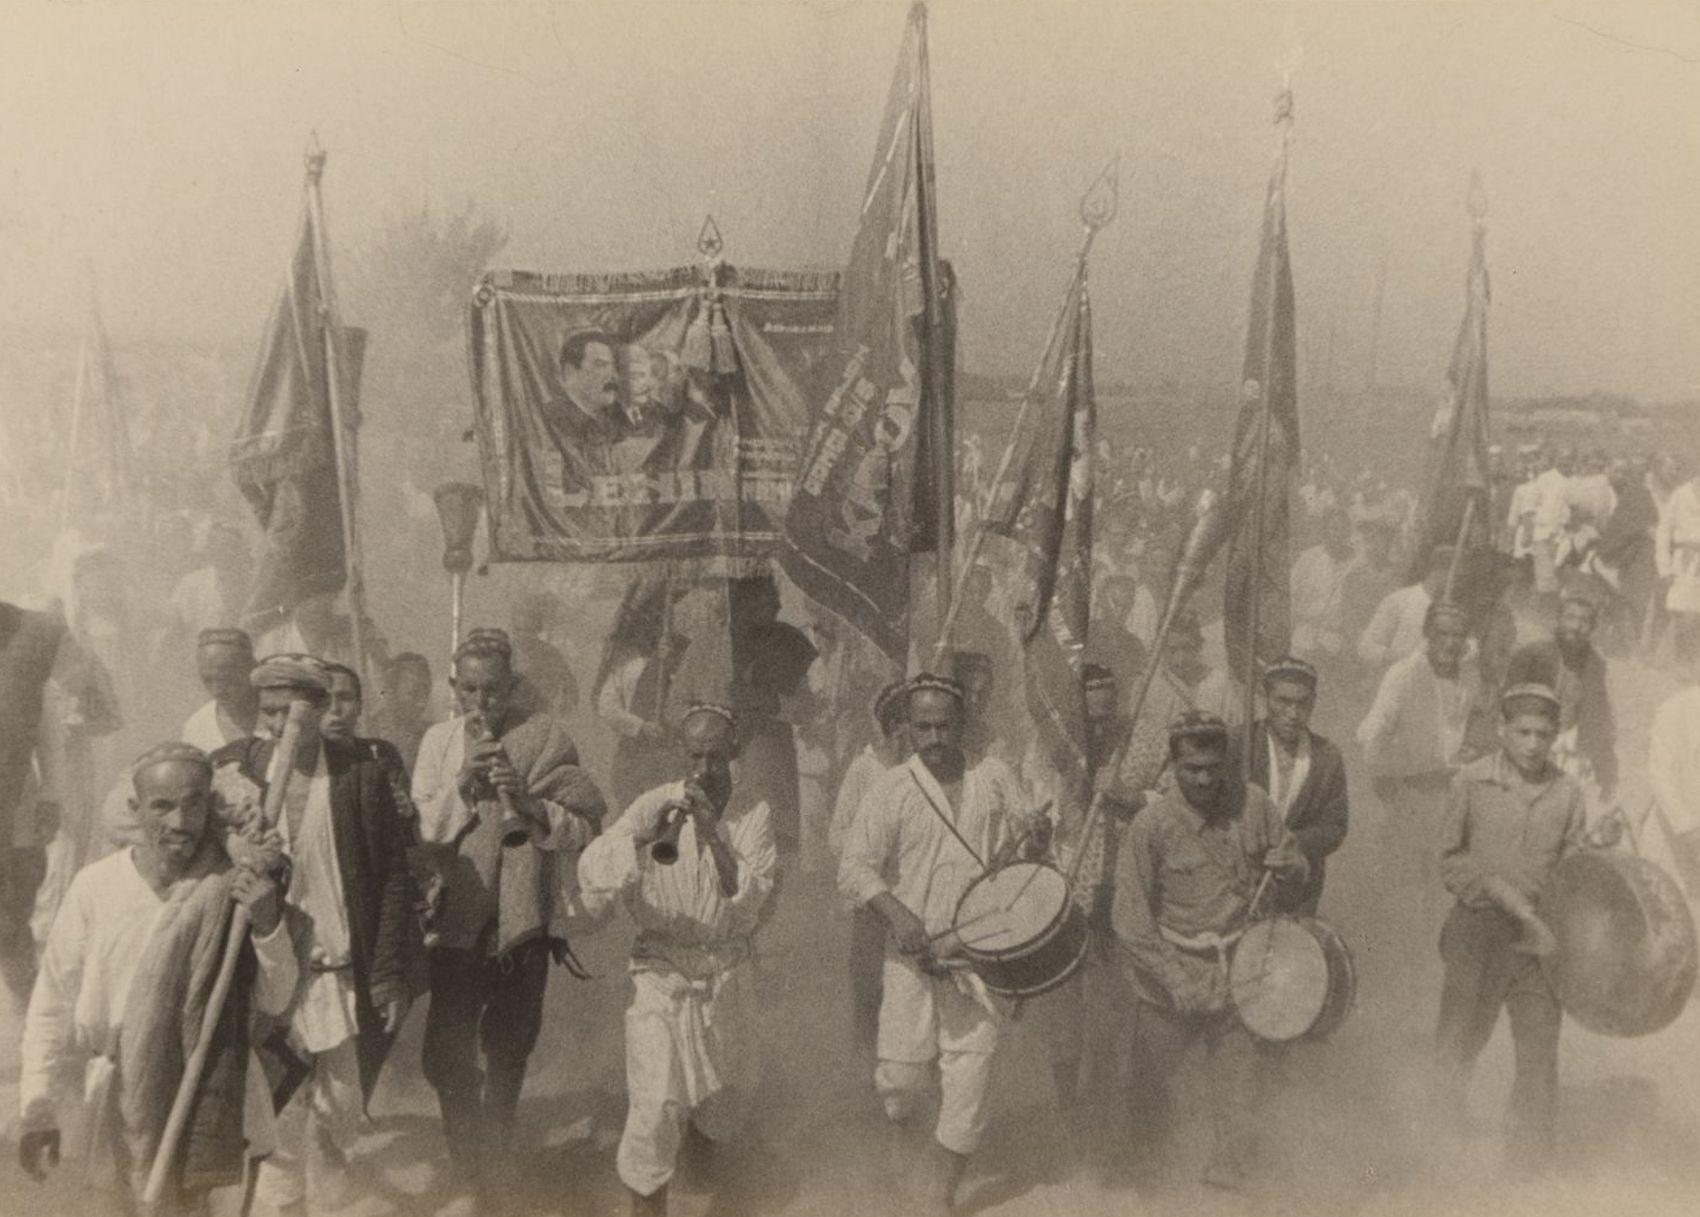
1098	205
1477	200
315	156
709	243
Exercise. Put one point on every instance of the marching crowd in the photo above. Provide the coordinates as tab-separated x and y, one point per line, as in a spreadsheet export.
359	857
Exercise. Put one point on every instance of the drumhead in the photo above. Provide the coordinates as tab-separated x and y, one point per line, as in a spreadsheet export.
1010	907
1279	979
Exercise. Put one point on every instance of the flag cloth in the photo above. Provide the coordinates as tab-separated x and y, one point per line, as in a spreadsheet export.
99	472
284	456
691	456
863	502
1456	468
1266	450
1044	505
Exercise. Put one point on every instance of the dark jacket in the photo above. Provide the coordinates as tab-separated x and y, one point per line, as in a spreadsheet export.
1586	701
371	854
1317	817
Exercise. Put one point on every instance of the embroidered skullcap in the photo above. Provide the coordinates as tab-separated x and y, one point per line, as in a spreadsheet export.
932	682
1519	695
889	700
1290	667
1097	676
159	754
1445	610
486	642
717	709
1197	724
292	672
226	638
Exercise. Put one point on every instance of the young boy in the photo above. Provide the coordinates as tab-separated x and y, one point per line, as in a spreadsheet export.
1510	818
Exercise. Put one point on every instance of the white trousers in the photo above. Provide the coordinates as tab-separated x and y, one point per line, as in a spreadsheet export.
314	1128
936	1032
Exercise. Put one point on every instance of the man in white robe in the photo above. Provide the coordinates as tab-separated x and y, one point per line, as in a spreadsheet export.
100	982
691	1028
924	833
224	660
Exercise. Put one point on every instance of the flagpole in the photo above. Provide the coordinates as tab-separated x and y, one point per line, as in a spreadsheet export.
1477	204
76	428
1097	208
1284	123
333	382
944	454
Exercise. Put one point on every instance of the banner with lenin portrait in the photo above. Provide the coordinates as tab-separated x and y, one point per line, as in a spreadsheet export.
644	416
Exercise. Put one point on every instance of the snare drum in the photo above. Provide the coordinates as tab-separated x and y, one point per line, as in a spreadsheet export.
1020	932
1292	978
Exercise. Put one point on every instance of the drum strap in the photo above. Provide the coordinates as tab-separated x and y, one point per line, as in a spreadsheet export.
946	820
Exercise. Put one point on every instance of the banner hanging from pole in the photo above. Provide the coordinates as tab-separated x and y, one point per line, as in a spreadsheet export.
863	503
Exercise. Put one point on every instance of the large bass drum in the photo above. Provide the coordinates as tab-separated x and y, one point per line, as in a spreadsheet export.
1292	978
1626	957
1020	932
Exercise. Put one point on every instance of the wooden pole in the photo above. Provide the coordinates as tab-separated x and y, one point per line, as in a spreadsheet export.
457	591
1458	549
342	438
178	1118
1284	122
935	376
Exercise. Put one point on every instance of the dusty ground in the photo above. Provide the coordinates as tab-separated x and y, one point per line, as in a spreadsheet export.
1344	1135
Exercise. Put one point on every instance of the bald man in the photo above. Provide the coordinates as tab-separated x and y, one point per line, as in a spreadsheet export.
131	959
691	1028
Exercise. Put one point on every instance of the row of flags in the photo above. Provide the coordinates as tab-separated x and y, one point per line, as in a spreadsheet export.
874	486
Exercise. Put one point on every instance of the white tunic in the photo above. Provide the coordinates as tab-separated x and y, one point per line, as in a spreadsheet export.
693	1002
105	922
1677	548
900	844
326	1014
204	731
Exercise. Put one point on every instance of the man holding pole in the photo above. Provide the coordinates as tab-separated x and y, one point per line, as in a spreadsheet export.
1188	879
128	977
350	911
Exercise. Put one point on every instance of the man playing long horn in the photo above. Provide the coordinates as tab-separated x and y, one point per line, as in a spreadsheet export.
127	972
692	1053
350	910
923	834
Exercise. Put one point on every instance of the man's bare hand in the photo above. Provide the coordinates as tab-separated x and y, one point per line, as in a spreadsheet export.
258	895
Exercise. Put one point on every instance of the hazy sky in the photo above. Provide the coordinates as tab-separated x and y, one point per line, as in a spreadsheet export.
163	142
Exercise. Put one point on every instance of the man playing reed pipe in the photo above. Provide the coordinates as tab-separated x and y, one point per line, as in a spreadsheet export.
502	801
693	861
925	831
129	967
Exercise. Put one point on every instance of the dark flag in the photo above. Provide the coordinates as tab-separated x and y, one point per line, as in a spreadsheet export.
1266	446
1044	504
99	473
863	503
1456	470
284	457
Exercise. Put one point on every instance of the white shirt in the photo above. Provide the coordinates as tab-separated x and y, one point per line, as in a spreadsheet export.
859	777
82	988
203	729
1417	723
899	842
686	924
1676	548
1673	758
1282	793
616	699
1552	503
1396	629
326	1015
